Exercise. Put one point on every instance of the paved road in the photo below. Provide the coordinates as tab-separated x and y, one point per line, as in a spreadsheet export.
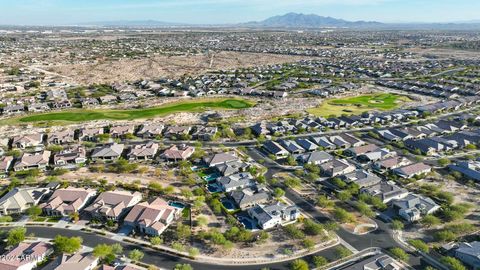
157	258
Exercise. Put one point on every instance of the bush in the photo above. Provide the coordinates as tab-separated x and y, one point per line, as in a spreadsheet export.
319	261
452	263
299	264
294	232
341	215
399	254
419	245
312	228
342	252
397	225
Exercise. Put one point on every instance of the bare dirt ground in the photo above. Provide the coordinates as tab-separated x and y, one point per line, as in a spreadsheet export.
447	53
107	71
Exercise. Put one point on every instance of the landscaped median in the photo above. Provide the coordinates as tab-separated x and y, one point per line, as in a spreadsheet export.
80	115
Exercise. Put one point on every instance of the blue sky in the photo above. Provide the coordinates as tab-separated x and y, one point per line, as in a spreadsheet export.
60	12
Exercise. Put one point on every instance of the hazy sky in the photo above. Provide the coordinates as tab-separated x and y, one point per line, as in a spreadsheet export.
60	12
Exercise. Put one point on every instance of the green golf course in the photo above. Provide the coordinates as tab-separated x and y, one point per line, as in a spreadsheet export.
175	107
359	104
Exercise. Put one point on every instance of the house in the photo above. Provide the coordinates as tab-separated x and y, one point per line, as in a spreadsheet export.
27	141
336	167
426	146
220	158
376	262
61	137
108	152
204	133
360	150
77	261
249	197
18	200
146	151
90	134
177	132
260	129
339	142
324	143
70	157
470	169
352	140
176	153
362	178
108	99
413	207
307	144
113	205
275	149
269	216
291	146
412	170
121	131
25	256
29	161
315	158
390	163
469	254
66	201
235	181
5	164
152	217
13	109
38	107
150	131
385	191
231	167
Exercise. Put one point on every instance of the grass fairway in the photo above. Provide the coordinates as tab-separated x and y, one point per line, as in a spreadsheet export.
91	115
359	104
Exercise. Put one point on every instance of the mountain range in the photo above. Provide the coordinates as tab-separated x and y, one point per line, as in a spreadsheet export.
299	21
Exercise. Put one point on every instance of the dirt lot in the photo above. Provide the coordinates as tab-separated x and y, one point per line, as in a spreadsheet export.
108	71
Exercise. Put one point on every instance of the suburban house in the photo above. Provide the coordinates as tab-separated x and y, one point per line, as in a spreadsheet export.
121	131
5	164
151	218
324	143
90	134
204	133
177	131
231	167
150	131
412	170
27	141
469	254
352	140
360	150
307	144
386	191
25	256
413	207
291	146
249	197
339	142
113	205
70	157
470	169
18	200
62	137
336	167
66	201
220	158
146	151
235	181
32	161
77	261
275	149
362	178
176	153
315	158
269	216
390	163
108	152
376	262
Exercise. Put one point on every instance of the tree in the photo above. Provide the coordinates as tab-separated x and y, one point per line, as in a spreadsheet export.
184	266
452	263
324	202
63	244
443	162
34	211
156	240
430	221
104	252
278	192
193	252
397	225
312	228
342	252
319	261
299	264
342	216
308	243
183	231
419	245
344	195
135	255
201	221
16	236
445	236
399	254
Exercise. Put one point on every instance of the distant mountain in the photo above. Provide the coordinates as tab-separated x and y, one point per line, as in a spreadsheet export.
298	20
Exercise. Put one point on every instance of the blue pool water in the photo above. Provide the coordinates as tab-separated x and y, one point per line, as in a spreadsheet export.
214	188
177	204
248	223
211	177
229	205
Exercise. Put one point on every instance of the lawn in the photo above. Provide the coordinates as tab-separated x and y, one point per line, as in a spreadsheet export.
91	115
359	104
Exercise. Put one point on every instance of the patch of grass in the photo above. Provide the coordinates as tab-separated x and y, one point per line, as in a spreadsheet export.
359	104
91	115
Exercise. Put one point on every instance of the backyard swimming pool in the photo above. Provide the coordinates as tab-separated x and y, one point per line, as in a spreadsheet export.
177	204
